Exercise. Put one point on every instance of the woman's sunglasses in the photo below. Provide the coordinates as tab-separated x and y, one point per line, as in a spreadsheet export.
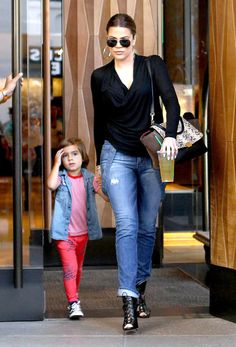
123	42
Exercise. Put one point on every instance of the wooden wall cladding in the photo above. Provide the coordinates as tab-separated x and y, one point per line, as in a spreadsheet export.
222	118
84	42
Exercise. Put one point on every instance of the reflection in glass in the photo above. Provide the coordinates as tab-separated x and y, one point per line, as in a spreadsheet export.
185	42
6	212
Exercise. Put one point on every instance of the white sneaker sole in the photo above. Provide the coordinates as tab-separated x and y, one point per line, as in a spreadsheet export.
75	316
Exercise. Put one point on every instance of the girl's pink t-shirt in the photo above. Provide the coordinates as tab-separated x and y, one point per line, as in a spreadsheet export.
78	220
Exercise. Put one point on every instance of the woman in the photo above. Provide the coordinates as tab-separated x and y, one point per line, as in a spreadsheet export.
122	99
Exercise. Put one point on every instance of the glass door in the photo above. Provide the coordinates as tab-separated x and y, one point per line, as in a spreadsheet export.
21	255
185	53
32	129
31	119
6	211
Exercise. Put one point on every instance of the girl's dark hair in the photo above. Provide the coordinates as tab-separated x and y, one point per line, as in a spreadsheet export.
122	20
81	147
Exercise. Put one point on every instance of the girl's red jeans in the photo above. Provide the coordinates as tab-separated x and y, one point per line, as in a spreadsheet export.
72	252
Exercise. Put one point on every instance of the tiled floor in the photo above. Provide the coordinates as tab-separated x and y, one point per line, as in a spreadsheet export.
107	332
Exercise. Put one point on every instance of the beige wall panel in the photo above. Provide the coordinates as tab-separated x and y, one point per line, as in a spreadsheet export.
115	7
98	53
66	9
138	17
222	114
98	11
150	44
131	5
84	42
68	81
70	69
82	50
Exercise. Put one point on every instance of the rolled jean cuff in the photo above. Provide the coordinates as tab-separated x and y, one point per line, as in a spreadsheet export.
126	292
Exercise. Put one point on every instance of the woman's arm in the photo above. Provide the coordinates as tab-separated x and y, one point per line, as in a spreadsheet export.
99	121
169	98
53	179
167	93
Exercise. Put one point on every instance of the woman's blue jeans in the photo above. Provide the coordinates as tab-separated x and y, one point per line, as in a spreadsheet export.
135	191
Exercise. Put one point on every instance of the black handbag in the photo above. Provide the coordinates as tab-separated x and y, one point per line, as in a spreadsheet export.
189	137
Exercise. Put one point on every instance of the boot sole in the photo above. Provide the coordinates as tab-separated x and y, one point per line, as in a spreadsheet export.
143	317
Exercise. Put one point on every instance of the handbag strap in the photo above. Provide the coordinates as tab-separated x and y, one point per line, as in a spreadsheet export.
152	110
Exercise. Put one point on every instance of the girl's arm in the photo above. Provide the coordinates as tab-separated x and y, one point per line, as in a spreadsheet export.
104	196
52	181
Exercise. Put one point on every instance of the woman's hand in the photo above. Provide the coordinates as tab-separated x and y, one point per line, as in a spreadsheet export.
169	146
98	171
10	83
98	174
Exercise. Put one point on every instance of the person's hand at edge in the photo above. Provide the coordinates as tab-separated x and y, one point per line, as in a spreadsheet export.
10	83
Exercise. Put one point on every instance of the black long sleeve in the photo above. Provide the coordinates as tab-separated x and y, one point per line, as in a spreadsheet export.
121	115
99	118
165	89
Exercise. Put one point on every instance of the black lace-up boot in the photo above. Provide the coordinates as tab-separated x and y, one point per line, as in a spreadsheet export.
142	309
130	313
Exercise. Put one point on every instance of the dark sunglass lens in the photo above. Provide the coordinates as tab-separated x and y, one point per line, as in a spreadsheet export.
111	42
125	42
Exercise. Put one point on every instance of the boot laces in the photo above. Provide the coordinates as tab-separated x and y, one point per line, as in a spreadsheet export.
129	310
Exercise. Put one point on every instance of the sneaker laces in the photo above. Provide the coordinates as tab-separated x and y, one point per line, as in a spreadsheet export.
72	307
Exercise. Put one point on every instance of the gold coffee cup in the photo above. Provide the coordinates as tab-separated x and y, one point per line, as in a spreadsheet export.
167	165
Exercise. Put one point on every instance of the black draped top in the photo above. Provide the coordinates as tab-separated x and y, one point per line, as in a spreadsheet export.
121	115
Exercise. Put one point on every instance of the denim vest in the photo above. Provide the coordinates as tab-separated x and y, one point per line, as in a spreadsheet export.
63	204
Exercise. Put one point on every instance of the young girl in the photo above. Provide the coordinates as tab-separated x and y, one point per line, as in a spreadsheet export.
75	218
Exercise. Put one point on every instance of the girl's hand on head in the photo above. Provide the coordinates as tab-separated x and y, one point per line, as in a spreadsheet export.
58	157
